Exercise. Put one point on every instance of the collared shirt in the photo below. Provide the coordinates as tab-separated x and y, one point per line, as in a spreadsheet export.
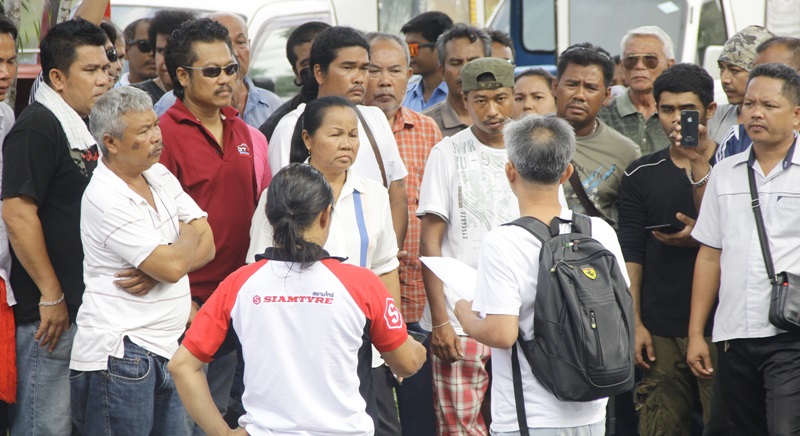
446	118
726	223
736	141
416	135
260	104
366	164
6	122
415	96
119	230
623	116
379	249
220	178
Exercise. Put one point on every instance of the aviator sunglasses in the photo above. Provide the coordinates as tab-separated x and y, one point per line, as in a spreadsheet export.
143	45
413	47
631	61
212	72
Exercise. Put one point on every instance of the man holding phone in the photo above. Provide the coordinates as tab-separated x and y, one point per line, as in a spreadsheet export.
659	199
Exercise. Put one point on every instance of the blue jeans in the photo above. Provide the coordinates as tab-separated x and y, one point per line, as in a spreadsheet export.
134	396
596	429
42	406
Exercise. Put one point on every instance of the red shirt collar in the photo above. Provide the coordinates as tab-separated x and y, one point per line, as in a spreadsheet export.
179	112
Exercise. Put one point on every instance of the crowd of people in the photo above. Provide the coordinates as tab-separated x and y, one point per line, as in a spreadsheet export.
184	253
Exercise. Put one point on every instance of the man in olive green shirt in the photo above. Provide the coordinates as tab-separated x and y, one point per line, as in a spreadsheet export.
646	52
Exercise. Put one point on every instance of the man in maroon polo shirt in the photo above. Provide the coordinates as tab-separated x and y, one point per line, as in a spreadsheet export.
209	150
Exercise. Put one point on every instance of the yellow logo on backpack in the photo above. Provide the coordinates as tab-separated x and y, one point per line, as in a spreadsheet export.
589	272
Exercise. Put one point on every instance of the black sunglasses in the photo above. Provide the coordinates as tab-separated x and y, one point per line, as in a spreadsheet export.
111	54
143	45
229	69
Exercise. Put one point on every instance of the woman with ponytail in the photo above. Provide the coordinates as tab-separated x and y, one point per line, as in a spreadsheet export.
326	136
305	322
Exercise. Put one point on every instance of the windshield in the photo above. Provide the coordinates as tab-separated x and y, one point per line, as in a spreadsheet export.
605	26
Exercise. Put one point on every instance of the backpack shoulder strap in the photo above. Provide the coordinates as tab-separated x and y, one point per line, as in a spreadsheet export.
581	224
537	228
519	399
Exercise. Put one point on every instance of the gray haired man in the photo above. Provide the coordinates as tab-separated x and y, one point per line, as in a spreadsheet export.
134	214
539	153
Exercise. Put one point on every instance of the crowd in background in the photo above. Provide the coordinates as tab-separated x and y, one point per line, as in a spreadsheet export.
182	252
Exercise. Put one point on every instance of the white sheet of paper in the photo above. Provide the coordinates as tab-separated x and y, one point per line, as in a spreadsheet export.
458	277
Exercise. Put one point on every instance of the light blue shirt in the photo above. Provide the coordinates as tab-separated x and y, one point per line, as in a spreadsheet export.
260	104
414	96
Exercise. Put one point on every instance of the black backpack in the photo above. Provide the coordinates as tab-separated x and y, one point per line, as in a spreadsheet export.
583	342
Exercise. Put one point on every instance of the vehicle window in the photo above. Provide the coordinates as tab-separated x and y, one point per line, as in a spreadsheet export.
712	28
268	54
585	18
502	17
539	25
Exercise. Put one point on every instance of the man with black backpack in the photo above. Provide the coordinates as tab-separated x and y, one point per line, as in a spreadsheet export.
550	262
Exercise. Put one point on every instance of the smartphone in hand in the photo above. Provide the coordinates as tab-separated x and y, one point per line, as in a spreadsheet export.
664	228
690	133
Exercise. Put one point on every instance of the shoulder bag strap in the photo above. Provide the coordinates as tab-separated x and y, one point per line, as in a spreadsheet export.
375	148
522	418
762	232
583	198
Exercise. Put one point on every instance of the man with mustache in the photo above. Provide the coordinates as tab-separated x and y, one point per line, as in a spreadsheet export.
209	149
416	135
465	194
735	62
133	213
758	365
583	78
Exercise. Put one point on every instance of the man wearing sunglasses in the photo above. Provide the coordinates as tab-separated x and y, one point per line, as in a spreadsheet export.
646	52
209	149
141	62
161	27
421	34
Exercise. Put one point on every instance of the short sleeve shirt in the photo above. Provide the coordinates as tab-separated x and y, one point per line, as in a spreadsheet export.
506	285
120	229
726	223
301	329
623	117
38	163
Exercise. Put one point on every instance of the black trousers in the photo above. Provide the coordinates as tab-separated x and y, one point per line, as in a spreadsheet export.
759	385
383	385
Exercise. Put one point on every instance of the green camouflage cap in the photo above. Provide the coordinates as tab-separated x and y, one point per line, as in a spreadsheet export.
501	69
740	49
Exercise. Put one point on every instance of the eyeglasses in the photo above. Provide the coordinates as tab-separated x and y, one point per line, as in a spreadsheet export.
212	72
649	61
143	45
111	54
413	47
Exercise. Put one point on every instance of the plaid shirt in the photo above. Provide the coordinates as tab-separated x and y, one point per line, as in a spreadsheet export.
623	117
416	134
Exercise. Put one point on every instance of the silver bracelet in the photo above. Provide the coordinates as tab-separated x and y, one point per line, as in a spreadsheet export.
700	182
52	303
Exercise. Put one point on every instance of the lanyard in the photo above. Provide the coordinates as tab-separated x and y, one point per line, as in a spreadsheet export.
362	227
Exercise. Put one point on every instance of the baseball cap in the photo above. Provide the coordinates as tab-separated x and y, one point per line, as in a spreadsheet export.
501	70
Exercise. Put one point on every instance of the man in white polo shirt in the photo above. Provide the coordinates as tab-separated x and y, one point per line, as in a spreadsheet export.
758	363
134	214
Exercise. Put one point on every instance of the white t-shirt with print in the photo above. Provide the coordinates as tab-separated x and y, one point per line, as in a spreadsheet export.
507	276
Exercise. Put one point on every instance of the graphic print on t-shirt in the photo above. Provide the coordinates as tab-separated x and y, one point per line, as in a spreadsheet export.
481	178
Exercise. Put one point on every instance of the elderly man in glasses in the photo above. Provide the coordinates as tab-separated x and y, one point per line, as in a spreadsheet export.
646	52
209	149
141	60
